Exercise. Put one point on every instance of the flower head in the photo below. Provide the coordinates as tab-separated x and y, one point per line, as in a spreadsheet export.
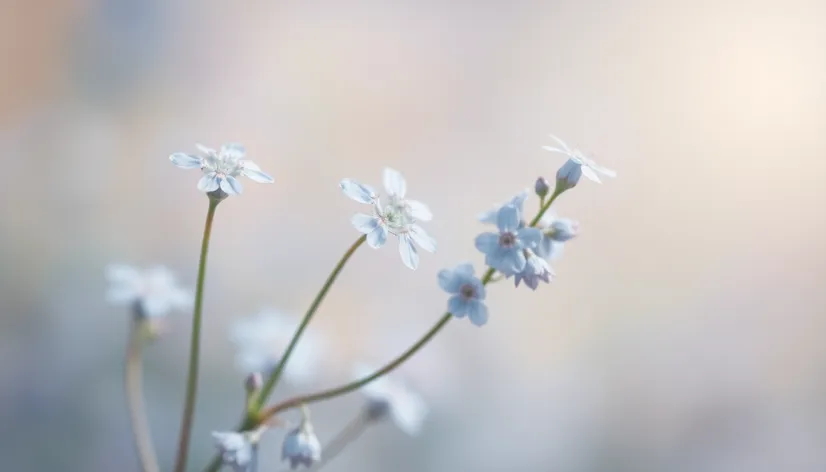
504	251
518	201
390	396
397	215
301	446
153	292
468	293
536	270
556	232
221	168
261	339
235	448
577	165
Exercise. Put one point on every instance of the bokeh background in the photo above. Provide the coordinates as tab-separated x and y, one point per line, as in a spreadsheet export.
685	330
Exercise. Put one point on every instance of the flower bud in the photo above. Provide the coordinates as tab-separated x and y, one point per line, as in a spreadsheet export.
562	230
254	382
301	446
568	175
541	187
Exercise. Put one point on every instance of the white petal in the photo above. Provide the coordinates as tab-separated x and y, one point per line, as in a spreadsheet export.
186	161
394	183
420	237
122	273
156	306
122	295
567	148
603	170
410	256
364	223
206	150
553	149
250	170
409	412
208	183
377	237
590	174
358	192
419	211
231	185
233	151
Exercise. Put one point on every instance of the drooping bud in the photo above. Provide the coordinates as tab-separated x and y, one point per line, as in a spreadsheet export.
253	383
301	446
541	187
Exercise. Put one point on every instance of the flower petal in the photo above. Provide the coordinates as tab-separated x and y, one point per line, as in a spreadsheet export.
530	237
553	149
122	273
488	217
418	210
508	218
364	223
209	182
409	411
487	243
465	269
420	237
377	237
250	170
186	161
477	312
206	150
233	151
231	185
358	192
410	256
589	173
562	143
394	183
450	281
457	306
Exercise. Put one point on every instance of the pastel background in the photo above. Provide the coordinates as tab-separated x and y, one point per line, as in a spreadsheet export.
685	331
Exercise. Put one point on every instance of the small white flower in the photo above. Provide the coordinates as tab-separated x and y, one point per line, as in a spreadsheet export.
221	168
301	446
398	216
261	340
577	165
154	292
235	448
388	395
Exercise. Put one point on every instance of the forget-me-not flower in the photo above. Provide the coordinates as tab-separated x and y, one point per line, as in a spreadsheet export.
153	293
388	395
221	168
504	251
397	215
301	446
556	232
577	165
518	201
468	293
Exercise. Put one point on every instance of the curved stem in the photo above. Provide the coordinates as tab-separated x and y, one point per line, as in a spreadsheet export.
195	345
134	399
272	381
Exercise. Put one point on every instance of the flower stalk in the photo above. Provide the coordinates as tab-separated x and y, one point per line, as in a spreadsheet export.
133	383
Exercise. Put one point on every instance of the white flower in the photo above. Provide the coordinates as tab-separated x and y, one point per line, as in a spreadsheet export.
235	448
577	165
154	292
261	340
301	446
221	168
387	395
398	216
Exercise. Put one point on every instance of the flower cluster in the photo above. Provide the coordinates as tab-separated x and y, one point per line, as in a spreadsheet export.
267	344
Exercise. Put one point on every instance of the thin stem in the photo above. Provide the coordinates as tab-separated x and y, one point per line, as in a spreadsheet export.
253	467
272	381
195	345
134	399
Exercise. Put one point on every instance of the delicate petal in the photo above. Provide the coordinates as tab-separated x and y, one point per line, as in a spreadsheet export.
250	170
479	289
206	150
508	218
488	217
487	242
364	223
409	413
553	149
122	295
589	173
358	192
420	237
209	182
530	237
233	151
410	256
419	211
562	143
465	269
231	185
377	237
394	183
450	281
602	170
122	273
186	161
457	306
155	306
477	312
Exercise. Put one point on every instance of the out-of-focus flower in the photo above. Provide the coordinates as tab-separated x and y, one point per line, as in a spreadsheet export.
261	340
556	232
518	201
301	446
576	166
398	216
390	396
153	292
468	293
236	449
221	168
504	251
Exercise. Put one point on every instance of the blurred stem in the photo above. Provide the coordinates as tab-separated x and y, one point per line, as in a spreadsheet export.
134	399
195	345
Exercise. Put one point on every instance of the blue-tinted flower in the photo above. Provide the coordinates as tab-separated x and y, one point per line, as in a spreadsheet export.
518	201
388	395
468	293
504	251
153	293
397	215
541	187
221	168
235	448
577	165
536	270
301	446
556	232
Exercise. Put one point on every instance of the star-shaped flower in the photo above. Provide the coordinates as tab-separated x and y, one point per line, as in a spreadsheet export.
390	396
397	215
235	449
153	292
504	251
221	168
468	293
577	165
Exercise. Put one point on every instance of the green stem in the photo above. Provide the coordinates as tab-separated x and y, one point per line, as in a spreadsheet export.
272	381
195	345
134	399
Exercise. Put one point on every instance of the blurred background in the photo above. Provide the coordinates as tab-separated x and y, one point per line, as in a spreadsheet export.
685	330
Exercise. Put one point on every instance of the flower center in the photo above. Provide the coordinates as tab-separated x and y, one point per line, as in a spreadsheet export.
395	215
467	291
507	239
